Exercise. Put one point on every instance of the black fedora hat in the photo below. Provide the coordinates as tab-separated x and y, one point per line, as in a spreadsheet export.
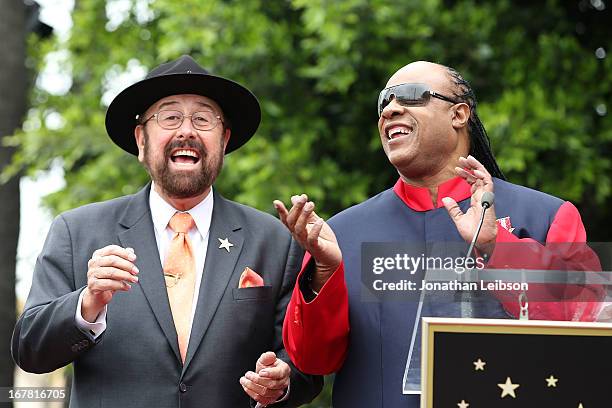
182	76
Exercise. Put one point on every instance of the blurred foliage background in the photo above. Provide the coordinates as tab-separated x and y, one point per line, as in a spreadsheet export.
539	69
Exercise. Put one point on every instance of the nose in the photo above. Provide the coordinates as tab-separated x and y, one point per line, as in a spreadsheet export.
393	108
186	130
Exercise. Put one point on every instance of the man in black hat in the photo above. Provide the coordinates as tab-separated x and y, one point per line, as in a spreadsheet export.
171	296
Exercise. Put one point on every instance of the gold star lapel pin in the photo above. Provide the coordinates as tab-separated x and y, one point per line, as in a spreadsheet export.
225	244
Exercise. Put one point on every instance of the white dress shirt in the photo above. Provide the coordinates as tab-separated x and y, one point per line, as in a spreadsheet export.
161	212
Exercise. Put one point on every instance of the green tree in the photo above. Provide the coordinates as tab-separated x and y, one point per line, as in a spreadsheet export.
317	67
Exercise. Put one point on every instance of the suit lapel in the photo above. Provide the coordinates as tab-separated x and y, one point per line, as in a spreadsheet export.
140	235
218	269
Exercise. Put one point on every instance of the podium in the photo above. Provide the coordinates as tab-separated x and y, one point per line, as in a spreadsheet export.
470	363
518	279
475	306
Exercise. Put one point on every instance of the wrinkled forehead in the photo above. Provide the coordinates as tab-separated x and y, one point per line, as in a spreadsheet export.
431	74
186	102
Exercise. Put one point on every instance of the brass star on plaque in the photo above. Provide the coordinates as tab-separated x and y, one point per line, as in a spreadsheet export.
508	388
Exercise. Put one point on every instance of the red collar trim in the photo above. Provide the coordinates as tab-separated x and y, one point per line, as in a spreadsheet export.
418	198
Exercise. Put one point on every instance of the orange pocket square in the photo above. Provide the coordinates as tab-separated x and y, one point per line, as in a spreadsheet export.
250	279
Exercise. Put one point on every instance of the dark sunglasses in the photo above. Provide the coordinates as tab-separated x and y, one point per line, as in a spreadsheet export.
409	95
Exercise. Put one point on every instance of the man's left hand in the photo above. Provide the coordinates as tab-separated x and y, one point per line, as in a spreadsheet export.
270	380
477	176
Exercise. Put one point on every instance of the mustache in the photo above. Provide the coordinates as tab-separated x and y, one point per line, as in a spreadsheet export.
186	144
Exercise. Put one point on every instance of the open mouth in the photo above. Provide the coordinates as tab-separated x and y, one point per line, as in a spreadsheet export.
185	156
397	131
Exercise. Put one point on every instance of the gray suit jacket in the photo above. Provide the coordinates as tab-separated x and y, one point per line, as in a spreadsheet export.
136	361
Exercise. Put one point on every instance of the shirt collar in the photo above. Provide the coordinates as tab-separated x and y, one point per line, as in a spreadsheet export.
418	198
161	212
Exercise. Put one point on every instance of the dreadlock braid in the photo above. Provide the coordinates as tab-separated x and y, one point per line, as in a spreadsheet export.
480	145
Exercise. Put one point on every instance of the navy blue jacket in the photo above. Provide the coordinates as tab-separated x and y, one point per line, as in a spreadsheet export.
380	331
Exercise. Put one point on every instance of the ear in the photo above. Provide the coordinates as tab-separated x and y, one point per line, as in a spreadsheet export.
226	138
140	142
461	115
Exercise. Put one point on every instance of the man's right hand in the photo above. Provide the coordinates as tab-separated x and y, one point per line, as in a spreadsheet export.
110	269
313	234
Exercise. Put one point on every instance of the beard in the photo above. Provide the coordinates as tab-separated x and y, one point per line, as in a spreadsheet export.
183	184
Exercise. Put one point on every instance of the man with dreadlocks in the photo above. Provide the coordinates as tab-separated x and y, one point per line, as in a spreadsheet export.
431	134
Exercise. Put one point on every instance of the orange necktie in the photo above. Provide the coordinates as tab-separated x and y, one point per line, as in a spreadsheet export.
179	273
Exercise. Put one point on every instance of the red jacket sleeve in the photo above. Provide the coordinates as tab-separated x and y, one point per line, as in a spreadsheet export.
315	333
565	250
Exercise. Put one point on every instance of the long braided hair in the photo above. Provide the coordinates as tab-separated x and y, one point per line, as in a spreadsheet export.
480	145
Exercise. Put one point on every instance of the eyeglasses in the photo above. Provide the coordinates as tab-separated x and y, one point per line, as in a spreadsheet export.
409	95
172	119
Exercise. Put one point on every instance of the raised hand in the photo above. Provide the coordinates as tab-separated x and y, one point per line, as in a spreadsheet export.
313	234
477	176
110	269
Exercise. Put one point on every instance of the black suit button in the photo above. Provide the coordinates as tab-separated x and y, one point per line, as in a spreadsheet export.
182	387
74	348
